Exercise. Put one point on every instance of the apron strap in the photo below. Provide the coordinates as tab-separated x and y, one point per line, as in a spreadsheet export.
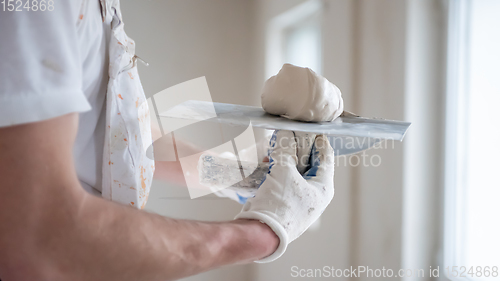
103	9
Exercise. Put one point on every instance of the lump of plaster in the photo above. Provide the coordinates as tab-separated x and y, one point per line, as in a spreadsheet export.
299	93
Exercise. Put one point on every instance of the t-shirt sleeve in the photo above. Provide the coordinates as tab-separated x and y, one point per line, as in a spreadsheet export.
40	64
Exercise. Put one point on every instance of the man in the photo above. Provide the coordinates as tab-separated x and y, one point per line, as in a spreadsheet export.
55	104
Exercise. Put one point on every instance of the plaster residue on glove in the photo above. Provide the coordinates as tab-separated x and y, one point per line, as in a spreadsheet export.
299	93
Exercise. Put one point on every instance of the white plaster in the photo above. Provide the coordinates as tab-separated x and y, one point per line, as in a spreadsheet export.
299	93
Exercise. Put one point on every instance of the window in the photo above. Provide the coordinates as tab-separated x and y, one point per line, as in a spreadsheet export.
295	37
302	43
472	212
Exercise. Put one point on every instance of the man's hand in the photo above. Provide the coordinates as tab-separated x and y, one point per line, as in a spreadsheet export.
51	229
288	201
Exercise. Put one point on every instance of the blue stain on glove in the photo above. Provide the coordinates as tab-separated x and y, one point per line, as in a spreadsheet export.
314	161
272	141
272	144
241	199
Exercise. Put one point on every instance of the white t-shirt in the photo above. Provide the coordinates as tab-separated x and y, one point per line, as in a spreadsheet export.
53	63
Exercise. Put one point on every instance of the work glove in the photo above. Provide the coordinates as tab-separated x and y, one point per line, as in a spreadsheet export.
297	188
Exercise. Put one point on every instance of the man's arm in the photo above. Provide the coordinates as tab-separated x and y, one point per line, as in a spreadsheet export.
51	229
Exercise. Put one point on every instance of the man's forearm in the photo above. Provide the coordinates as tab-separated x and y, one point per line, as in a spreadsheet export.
51	229
99	240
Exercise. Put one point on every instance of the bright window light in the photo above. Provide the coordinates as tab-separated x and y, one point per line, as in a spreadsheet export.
302	43
482	202
472	223
294	36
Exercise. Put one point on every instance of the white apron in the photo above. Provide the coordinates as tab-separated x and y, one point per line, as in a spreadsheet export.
127	173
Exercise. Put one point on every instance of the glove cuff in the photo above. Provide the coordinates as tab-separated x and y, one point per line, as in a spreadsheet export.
275	226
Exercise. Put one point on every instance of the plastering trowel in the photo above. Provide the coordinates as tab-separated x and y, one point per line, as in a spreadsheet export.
348	134
362	132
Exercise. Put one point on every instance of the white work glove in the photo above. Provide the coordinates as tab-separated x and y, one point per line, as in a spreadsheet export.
288	201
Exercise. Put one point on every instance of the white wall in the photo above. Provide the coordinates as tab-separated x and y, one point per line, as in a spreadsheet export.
424	107
186	39
378	87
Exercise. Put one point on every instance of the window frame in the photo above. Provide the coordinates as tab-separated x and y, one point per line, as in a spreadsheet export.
277	27
455	135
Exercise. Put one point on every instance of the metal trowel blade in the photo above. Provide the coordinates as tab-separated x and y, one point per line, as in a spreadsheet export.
347	134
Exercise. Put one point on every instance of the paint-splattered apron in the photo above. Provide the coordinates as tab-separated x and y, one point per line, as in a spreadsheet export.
127	172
